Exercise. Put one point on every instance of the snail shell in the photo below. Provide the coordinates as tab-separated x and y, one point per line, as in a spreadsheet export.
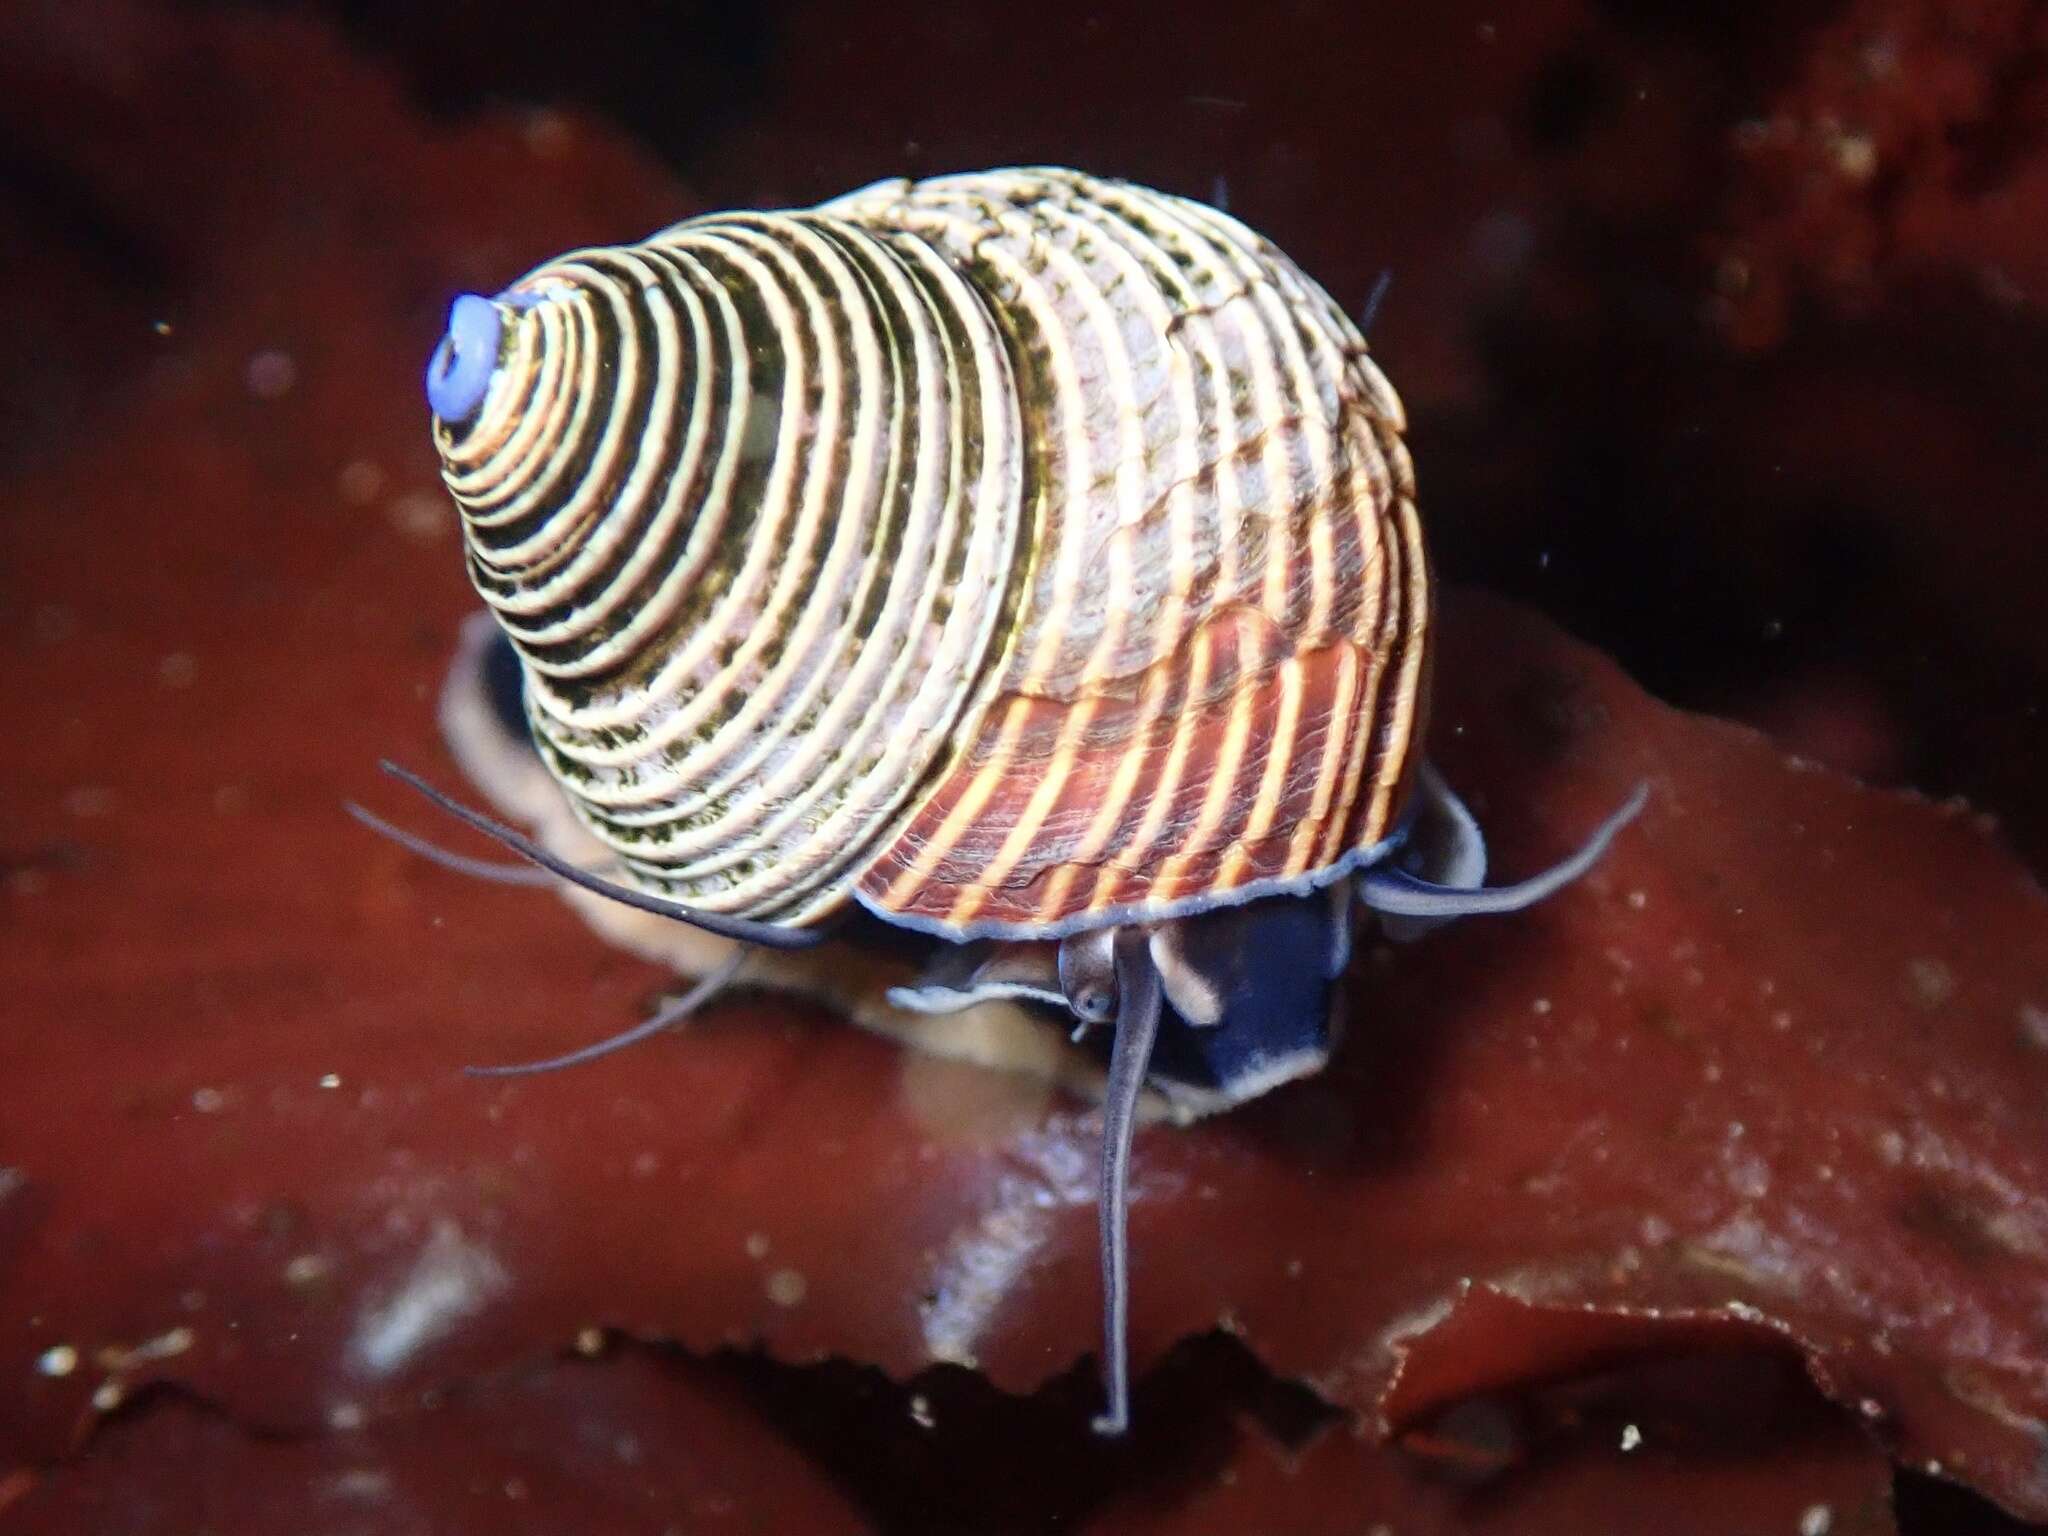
1017	554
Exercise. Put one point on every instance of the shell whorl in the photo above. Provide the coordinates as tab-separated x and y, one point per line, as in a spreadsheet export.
746	498
1019	552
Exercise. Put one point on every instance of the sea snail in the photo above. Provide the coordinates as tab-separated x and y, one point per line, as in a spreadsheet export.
1024	562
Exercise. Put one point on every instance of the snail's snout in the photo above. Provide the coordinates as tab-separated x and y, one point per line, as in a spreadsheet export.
459	373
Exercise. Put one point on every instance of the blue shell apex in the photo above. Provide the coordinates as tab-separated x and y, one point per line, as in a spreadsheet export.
459	373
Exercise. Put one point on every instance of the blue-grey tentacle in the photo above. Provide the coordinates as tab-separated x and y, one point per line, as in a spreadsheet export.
488	870
666	1017
747	931
1444	846
1397	893
1137	1025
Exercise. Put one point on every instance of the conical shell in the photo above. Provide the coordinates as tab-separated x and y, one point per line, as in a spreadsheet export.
1019	552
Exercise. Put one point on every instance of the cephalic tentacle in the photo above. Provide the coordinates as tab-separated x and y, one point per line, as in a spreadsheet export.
1390	890
768	935
662	1018
1137	1025
489	870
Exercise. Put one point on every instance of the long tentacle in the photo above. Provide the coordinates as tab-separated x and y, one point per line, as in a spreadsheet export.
1371	311
1137	1024
768	935
662	1018
1445	848
477	869
1395	891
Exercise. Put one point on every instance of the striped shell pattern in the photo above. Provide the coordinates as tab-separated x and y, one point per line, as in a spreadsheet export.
1018	554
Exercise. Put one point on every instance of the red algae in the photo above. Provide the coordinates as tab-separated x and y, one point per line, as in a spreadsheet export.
598	1446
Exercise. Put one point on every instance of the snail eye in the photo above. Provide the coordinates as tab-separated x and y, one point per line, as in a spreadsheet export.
459	375
1088	977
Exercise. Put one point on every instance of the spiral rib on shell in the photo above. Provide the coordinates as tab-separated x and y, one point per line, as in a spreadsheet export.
1019	552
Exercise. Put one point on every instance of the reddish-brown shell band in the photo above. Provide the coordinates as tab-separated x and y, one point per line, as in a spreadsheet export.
1021	552
1213	683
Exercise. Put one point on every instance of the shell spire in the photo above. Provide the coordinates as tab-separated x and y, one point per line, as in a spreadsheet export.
747	499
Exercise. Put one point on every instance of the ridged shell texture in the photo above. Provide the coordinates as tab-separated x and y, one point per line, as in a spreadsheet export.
1021	552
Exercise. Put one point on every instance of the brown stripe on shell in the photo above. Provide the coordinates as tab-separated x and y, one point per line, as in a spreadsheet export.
1148	766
